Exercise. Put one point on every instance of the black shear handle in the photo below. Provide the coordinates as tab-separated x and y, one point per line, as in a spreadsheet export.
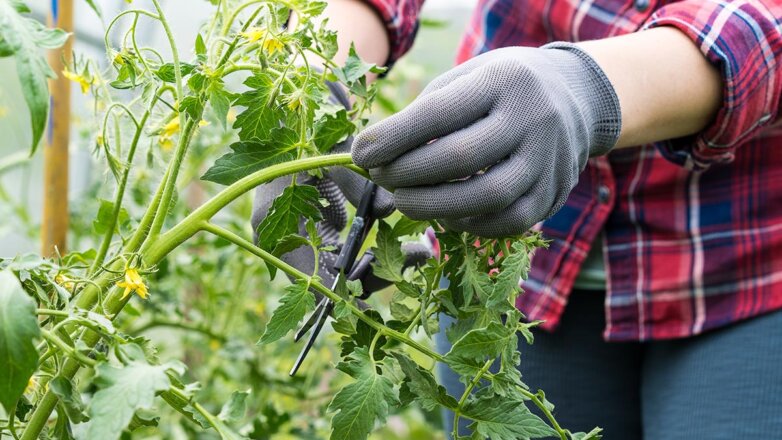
358	230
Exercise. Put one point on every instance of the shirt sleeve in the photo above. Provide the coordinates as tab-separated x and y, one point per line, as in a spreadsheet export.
401	20
743	39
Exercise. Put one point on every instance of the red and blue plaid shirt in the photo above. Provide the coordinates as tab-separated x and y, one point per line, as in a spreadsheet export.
693	227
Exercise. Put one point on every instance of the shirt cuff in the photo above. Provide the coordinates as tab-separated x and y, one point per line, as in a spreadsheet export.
401	21
742	39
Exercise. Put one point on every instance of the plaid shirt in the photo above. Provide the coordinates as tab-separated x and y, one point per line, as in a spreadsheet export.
693	227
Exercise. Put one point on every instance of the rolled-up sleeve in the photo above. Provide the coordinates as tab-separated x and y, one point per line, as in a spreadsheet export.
743	39
401	20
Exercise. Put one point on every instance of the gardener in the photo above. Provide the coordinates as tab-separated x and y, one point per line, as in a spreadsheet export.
648	154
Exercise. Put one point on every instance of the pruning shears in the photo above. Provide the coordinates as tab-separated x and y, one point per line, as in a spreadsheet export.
345	266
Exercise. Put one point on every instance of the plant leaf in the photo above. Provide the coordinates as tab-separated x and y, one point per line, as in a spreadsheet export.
389	258
423	385
283	219
167	72
502	419
122	390
18	331
331	129
355	68
261	115
23	37
249	157
235	408
296	302
515	267
481	343
364	401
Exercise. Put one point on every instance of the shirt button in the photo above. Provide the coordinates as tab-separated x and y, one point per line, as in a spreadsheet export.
641	5
603	194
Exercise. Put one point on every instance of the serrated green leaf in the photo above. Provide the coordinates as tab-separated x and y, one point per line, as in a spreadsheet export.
364	401
423	385
406	226
515	267
355	68
296	302
295	202
594	434
69	396
249	157
332	128
121	391
289	243
474	281
502	419
18	331
167	72
389	258
236	407
221	102
103	220
23	38
481	343
261	115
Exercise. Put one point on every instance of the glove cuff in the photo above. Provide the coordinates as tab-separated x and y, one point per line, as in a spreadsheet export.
596	98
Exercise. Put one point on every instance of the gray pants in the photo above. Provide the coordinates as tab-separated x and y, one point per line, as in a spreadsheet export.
725	384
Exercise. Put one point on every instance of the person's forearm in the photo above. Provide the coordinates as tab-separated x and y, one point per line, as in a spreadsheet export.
355	22
666	87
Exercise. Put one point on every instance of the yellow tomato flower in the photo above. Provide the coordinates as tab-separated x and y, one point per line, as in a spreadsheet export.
133	282
83	81
167	133
3	111
32	383
271	44
253	34
64	281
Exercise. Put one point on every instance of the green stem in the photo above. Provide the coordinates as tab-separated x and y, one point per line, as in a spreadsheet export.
293	272
120	193
174	51
180	325
457	411
67	349
49	312
170	184
539	403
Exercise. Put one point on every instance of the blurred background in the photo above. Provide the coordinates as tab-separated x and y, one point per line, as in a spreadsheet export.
20	188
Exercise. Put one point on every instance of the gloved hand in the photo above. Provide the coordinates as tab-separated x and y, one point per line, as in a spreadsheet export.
496	144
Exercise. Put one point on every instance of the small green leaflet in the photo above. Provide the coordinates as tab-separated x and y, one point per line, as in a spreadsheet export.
296	302
261	115
167	72
122	391
18	331
502	419
475	282
23	38
423	385
69	397
251	156
591	435
331	129
105	217
515	267
354	68
481	343
389	258
220	99
283	219
235	408
364	401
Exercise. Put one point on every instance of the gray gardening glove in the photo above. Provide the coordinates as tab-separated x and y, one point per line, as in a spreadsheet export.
496	144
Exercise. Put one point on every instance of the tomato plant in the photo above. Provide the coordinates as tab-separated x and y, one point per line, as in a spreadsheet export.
76	360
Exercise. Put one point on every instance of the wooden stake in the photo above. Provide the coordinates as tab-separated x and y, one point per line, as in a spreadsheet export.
54	224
